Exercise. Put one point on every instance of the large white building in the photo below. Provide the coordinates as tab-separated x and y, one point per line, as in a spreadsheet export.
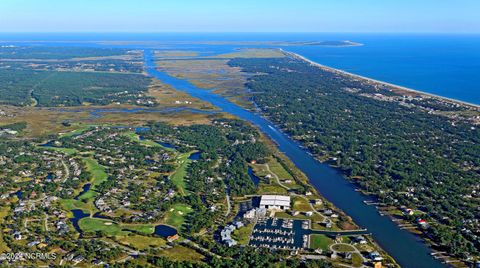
275	202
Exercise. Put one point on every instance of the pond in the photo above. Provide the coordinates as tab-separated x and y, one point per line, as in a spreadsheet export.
19	194
166	145
255	179
139	130
195	156
85	189
165	231
78	214
48	144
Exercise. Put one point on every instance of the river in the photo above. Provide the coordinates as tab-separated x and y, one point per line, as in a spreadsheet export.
407	249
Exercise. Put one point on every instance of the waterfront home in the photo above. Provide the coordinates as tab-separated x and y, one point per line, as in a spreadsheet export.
374	255
360	239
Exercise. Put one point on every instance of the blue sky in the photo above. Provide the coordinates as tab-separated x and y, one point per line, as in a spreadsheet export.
459	16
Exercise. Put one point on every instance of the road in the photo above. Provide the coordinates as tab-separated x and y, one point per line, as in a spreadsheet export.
355	250
229	206
67	171
276	177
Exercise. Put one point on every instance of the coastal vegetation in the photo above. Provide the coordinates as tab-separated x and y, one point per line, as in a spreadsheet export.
400	149
58	52
71	76
47	88
213	72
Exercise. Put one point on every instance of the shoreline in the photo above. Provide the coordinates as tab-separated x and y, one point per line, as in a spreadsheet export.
380	208
335	70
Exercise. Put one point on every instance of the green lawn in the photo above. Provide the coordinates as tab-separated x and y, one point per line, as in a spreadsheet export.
178	178
77	131
98	176
320	241
300	204
343	248
271	189
87	195
140	242
98	171
180	253
109	227
176	215
141	228
94	225
136	138
68	151
285	215
357	260
71	204
242	235
278	169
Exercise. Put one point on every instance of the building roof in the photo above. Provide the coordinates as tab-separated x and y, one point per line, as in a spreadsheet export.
275	200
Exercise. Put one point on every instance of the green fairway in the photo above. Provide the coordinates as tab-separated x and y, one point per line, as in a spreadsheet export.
87	195
98	171
109	227
71	204
136	138
77	131
85	201
178	178
98	176
141	228
68	151
176	215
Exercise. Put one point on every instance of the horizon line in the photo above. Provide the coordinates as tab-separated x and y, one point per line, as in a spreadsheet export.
226	32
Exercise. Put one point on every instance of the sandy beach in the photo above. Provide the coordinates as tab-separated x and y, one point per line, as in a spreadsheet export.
328	68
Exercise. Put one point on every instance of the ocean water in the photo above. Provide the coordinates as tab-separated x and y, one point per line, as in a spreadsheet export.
443	64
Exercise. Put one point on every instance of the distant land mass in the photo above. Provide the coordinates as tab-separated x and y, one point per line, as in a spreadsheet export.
345	43
328	43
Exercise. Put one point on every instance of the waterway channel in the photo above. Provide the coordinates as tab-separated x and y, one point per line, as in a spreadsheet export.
407	249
